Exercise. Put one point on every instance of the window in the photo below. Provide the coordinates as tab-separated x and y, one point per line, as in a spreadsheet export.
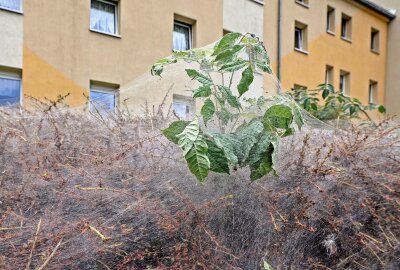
329	75
346	27
373	92
374	40
14	5
302	2
183	106
103	98
182	36
330	20
344	83
10	89
103	17
300	37
300	87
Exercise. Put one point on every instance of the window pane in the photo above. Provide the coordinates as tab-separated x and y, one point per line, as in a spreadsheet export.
181	37
101	101
182	110
11	4
297	38
103	17
10	91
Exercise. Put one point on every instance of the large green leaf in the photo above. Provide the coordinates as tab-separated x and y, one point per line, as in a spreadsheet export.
232	100
278	117
196	75
248	135
233	66
208	110
197	159
158	68
228	55
227	41
246	81
260	159
202	91
175	129
263	66
227	143
188	136
218	161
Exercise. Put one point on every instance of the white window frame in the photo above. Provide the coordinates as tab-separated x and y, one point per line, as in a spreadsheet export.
371	92
375	40
328	76
177	22
14	10
330	19
105	90
15	77
116	18
300	31
188	102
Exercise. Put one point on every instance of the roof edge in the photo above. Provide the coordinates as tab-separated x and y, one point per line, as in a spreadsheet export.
377	8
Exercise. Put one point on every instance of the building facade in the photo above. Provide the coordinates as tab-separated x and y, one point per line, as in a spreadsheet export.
93	49
340	42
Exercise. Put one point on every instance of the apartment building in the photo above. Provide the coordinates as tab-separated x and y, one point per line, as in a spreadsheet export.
392	97
341	42
91	48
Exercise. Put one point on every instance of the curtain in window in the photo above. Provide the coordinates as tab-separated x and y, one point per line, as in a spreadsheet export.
181	110
181	37
10	91
102	17
11	4
102	102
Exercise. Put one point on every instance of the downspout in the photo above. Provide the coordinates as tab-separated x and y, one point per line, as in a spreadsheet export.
279	43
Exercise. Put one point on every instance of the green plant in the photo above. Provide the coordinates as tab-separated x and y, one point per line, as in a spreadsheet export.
245	138
334	104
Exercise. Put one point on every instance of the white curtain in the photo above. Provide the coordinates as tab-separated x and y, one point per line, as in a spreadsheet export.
102	17
11	4
10	91
181	110
181	38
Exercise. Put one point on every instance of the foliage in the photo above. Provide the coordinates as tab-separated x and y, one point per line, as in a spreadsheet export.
239	143
334	105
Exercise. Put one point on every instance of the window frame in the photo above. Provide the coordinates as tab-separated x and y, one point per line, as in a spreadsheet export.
303	3
20	11
331	13
190	27
116	18
346	83
189	102
346	27
375	34
301	28
15	77
329	74
372	92
105	90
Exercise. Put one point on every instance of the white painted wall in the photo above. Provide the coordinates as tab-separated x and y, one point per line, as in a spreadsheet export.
11	39
244	16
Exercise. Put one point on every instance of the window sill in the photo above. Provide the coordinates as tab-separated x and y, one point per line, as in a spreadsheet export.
331	32
375	51
12	10
346	39
301	51
105	33
302	4
259	2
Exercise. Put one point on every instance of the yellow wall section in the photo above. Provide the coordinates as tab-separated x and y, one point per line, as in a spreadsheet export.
42	80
